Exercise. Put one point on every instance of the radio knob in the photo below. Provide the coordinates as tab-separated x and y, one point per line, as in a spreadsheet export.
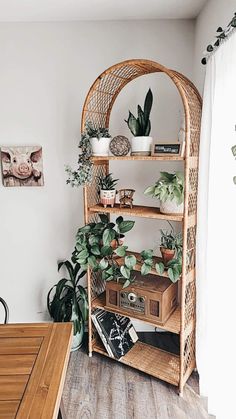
132	297
122	295
141	299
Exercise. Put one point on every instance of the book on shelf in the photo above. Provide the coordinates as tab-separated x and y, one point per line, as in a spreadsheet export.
116	332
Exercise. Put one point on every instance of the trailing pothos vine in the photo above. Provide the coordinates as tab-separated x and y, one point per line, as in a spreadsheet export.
100	247
222	34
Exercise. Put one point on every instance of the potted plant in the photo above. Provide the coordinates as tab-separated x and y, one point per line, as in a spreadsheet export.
67	301
171	245
140	127
107	189
99	139
170	190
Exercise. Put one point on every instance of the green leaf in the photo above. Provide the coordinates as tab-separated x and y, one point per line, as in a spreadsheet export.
104	218
126	226
92	262
130	261
119	220
150	190
125	272
121	251
106	250
85	229
148	104
133	124
127	283
145	269
147	254
95	250
108	236
103	264
160	268
83	254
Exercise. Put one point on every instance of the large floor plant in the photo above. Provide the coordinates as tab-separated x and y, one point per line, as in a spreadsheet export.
67	301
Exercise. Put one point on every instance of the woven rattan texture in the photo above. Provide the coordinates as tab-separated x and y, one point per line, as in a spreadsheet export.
97	109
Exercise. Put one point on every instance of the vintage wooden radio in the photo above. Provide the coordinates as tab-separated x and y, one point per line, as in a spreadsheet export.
151	297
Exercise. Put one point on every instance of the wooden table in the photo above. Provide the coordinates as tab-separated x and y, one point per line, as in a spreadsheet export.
33	363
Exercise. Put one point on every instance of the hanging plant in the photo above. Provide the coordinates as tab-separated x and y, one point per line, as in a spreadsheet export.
221	34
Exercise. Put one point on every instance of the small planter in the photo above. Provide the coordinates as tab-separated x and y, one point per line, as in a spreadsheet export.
171	207
141	146
108	197
167	255
100	146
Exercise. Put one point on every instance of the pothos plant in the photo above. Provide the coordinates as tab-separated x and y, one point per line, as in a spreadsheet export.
83	174
98	246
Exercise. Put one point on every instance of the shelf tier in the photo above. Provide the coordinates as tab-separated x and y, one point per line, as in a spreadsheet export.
146	358
171	325
137	211
144	158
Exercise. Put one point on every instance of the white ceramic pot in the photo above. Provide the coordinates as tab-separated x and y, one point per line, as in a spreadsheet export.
100	147
141	146
108	197
77	340
171	207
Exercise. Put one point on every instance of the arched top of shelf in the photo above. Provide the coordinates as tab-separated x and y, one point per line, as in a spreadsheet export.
104	91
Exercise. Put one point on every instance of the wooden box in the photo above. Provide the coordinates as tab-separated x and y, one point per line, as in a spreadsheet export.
151	297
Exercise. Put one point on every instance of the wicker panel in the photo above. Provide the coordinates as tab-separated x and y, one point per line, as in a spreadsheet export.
190	260
97	284
192	203
191	237
189	350
190	297
193	180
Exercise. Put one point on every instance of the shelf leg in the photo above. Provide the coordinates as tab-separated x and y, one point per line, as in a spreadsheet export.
90	354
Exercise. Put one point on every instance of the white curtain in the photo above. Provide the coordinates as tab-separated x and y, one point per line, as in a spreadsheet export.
216	236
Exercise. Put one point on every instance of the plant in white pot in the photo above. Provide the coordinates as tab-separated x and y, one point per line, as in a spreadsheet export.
140	127
170	190
67	301
107	189
99	139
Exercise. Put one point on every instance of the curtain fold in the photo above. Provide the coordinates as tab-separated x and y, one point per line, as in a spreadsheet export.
216	235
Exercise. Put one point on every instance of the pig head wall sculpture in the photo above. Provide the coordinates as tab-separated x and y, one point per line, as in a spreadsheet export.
22	166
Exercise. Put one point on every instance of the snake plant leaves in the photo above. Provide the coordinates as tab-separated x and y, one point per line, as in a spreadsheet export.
148	104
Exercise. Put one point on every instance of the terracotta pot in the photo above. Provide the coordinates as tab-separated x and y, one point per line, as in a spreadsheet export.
167	254
114	244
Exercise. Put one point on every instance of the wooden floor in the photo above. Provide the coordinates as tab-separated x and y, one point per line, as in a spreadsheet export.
100	388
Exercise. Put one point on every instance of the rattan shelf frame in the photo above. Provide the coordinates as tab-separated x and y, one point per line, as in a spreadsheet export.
97	109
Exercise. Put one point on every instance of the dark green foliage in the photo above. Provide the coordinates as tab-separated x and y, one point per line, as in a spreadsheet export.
141	126
107	183
68	296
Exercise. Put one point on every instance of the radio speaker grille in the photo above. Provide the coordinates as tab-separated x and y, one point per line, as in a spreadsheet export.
113	297
154	308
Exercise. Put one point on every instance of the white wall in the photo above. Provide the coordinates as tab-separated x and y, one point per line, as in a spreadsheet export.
46	70
215	13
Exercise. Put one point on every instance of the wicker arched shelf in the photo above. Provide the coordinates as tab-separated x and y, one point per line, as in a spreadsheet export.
97	109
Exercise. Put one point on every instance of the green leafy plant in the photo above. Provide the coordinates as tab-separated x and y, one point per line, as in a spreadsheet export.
98	246
107	183
141	126
83	174
171	240
67	300
170	186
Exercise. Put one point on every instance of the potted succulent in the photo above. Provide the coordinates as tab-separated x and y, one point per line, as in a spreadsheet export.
99	139
140	127
107	189
170	190
171	245
67	301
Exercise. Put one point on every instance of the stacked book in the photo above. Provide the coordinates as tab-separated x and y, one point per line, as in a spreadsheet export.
116	332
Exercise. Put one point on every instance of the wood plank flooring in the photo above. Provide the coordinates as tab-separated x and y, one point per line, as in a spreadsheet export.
100	388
